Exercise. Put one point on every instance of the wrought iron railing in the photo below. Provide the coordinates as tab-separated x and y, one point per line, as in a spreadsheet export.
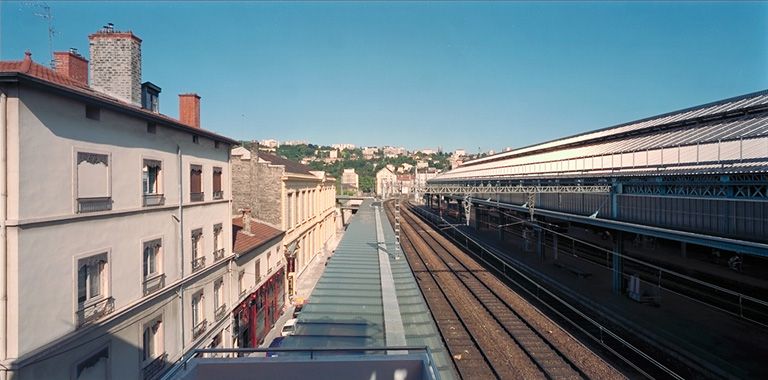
154	199
154	283
199	328
220	312
218	194
198	263
196	197
89	313
154	367
94	204
218	254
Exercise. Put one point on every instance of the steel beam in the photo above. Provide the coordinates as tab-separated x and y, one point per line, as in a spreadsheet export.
517	189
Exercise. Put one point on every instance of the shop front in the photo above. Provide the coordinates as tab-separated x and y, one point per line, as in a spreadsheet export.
259	311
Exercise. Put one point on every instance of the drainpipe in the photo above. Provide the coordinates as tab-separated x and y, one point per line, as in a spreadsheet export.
181	248
3	229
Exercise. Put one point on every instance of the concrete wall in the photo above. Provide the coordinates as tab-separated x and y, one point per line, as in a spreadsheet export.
47	236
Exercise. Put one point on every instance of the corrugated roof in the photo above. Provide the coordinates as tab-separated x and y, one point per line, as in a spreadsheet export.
701	112
260	233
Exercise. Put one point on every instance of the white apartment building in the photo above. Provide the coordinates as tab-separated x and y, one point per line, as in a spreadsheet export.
116	221
386	182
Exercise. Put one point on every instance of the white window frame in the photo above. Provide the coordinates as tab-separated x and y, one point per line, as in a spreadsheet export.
241	282
198	308
104	280
218	294
157	340
158	179
90	356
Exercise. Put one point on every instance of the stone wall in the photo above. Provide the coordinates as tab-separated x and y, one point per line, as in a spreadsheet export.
116	65
258	187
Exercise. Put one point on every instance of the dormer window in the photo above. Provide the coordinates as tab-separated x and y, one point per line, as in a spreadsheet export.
150	97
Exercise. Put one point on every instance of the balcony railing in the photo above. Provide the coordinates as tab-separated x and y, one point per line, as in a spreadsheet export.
94	204
154	200
218	254
198	263
220	312
155	367
95	311
218	194
196	197
199	328
152	284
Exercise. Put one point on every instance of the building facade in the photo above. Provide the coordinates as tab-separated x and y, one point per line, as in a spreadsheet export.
260	277
349	181
288	196
116	223
386	181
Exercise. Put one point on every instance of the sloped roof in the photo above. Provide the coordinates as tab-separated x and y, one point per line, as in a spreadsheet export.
290	166
260	234
37	73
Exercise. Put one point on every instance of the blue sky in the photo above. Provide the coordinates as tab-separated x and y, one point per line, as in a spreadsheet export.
422	74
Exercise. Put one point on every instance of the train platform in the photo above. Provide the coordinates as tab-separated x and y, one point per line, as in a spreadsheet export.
724	344
367	297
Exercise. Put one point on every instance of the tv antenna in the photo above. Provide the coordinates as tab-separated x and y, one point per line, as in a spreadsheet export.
44	12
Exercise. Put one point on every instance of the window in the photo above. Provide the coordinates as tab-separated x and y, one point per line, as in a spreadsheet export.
217	192
196	139
289	211
196	183
219	306
92	112
91	278
151	128
151	178
93	182
218	246
198	259
198	312
152	340
258	271
95	367
241	282
153	267
92	289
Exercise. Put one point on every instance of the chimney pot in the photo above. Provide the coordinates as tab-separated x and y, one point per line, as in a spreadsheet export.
189	110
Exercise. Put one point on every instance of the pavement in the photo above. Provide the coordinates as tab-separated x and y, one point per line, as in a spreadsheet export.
305	284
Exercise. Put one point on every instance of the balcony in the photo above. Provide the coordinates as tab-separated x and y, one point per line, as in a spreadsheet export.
220	312
153	200
154	283
155	367
218	195
198	263
218	254
94	204
196	197
199	328
94	311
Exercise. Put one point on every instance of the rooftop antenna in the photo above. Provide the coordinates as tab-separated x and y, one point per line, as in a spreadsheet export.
44	12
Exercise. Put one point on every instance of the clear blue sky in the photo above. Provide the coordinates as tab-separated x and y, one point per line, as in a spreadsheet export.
422	74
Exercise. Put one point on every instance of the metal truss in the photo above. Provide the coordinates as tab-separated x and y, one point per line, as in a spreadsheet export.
516	189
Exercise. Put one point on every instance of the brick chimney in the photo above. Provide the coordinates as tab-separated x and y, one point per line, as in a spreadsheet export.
116	64
246	212
189	109
72	65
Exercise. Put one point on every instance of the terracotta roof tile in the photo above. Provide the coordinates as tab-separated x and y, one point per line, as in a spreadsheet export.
260	234
35	70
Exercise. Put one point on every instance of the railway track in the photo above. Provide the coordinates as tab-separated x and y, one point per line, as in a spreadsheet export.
489	330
